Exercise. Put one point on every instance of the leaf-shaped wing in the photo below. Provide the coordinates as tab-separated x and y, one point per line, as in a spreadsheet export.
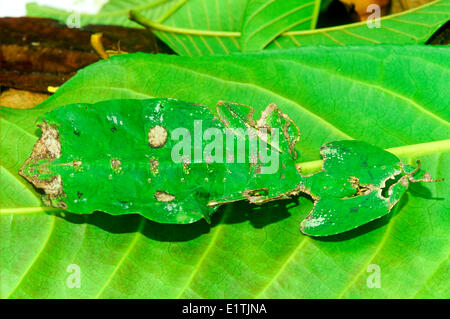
116	156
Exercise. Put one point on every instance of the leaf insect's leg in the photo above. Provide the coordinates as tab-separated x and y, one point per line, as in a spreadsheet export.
426	177
414	172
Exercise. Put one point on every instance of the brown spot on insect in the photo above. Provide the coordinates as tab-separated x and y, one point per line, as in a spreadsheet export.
77	165
260	196
262	122
162	196
47	147
289	123
116	165
360	189
50	143
157	136
354	181
62	205
404	182
52	187
186	163
256	192
154	165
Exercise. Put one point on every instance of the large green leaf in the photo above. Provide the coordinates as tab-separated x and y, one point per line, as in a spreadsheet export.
386	95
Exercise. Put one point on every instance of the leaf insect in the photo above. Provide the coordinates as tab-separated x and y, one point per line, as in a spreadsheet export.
177	162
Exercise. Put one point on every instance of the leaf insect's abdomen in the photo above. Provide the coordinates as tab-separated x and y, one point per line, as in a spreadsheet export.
115	156
124	156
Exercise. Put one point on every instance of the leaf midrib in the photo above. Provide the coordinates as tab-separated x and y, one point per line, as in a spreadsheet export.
35	258
401	151
432	275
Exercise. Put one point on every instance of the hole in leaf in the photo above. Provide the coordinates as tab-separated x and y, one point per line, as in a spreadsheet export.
388	184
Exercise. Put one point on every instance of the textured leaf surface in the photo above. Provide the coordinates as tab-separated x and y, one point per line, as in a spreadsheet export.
199	27
414	26
224	18
264	20
407	27
399	98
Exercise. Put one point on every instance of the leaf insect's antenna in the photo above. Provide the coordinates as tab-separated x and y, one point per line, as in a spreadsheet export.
426	177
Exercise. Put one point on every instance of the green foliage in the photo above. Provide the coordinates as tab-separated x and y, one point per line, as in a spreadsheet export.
264	20
247	252
198	27
407	27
